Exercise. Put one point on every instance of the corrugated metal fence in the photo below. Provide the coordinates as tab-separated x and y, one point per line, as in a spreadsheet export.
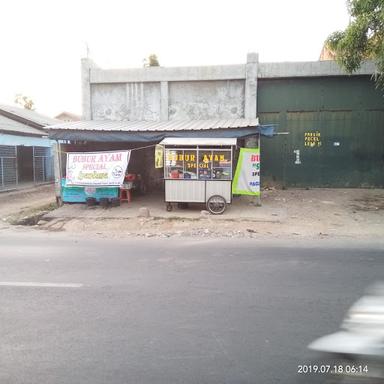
42	166
8	166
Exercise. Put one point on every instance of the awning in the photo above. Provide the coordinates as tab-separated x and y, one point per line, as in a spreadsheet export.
155	131
154	126
198	141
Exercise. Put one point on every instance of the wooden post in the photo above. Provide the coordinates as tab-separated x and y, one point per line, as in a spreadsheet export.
57	172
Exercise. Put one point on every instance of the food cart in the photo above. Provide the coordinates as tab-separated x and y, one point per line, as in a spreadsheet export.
198	170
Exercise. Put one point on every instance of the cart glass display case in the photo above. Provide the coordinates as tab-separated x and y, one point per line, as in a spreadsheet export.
198	171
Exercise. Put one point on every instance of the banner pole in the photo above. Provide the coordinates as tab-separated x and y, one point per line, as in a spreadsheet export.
57	172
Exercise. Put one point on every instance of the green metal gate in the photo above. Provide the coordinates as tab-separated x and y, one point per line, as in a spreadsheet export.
336	132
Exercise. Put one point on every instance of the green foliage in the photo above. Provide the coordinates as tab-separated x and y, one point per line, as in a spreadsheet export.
152	61
363	38
25	101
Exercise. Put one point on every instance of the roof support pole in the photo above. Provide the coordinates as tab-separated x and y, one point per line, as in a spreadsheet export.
57	171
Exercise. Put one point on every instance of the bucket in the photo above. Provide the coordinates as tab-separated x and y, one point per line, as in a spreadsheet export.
174	174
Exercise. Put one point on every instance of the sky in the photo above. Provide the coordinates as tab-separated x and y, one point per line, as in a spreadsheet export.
43	41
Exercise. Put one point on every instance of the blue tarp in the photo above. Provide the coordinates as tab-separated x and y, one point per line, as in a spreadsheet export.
142	137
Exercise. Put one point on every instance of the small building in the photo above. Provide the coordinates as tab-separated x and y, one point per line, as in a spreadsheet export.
327	54
25	149
68	116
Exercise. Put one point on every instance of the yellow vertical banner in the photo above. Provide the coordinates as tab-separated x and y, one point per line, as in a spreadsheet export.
159	156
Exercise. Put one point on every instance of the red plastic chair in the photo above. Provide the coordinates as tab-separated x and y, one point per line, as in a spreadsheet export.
125	195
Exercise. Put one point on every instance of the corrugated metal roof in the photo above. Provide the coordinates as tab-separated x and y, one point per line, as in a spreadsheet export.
9	125
27	114
68	116
198	141
154	126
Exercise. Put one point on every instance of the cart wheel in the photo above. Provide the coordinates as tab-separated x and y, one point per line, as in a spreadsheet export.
169	207
216	204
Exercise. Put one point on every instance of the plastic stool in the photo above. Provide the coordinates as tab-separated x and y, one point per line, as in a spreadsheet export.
125	195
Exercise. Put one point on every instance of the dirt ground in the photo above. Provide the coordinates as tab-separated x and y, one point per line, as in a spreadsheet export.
335	213
297	213
21	203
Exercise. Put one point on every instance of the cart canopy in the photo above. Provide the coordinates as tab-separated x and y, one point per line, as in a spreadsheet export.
196	141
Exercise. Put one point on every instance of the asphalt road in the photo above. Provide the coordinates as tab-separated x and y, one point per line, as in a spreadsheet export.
170	311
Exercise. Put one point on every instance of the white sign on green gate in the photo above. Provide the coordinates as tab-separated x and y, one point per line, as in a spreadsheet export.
247	175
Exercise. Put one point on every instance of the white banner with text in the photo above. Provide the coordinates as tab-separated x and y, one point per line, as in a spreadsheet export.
97	168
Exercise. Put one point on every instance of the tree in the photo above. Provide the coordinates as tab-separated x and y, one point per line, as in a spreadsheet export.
151	61
24	101
363	39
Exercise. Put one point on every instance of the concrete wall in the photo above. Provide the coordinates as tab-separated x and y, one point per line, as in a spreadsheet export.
206	100
130	101
184	93
186	100
206	92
